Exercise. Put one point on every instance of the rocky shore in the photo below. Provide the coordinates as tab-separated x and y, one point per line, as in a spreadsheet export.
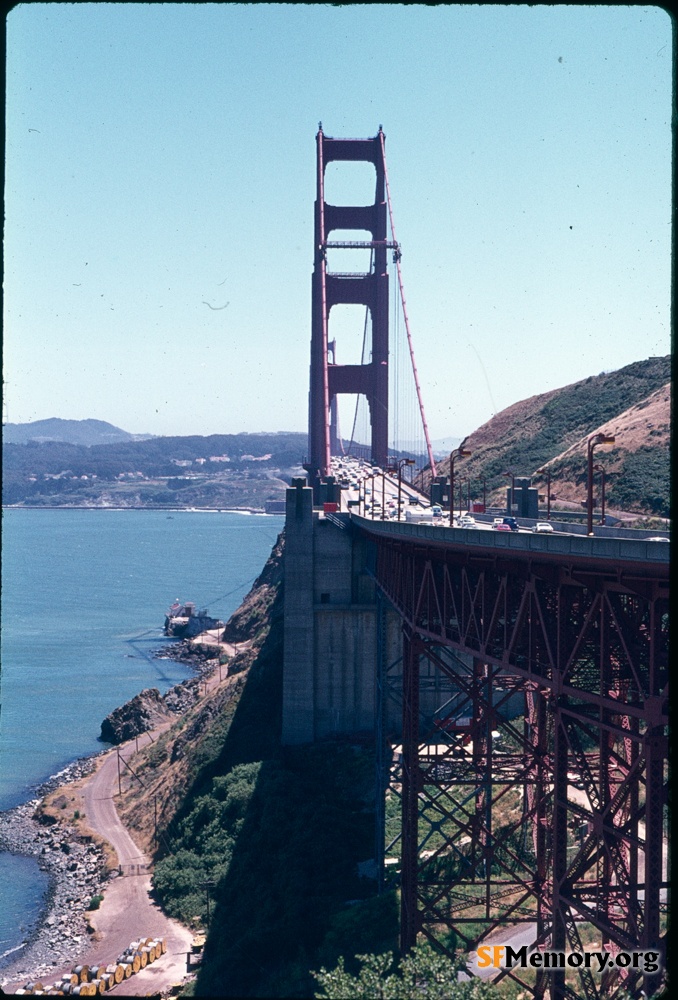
76	866
149	708
76	872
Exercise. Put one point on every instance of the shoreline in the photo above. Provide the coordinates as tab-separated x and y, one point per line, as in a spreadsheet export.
169	510
76	871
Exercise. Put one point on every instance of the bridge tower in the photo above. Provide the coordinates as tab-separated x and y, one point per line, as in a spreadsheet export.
327	378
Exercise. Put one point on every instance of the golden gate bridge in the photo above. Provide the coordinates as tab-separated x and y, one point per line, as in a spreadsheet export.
530	753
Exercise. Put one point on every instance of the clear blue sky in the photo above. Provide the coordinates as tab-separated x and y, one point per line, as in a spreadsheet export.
161	163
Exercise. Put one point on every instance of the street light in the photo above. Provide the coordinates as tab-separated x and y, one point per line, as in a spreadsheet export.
460	452
601	470
547	473
592	443
401	462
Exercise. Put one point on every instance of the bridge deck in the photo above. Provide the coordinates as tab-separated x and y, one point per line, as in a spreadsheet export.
619	551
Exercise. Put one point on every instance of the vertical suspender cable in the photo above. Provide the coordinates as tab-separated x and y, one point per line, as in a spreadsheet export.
407	322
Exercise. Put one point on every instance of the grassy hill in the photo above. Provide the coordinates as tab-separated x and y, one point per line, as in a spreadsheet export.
551	430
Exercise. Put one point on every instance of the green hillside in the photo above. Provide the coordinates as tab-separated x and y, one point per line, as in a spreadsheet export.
526	436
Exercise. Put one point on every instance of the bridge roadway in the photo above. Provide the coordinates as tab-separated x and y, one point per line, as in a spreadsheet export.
557	546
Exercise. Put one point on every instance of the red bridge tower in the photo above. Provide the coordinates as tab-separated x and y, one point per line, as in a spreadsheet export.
329	379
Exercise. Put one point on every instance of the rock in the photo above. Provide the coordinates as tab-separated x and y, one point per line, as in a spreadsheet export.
145	711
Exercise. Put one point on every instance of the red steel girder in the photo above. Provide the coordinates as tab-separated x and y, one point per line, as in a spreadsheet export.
586	647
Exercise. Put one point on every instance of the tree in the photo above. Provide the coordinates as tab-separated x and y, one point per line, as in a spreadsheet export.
421	975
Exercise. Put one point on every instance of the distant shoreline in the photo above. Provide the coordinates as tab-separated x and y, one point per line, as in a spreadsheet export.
169	510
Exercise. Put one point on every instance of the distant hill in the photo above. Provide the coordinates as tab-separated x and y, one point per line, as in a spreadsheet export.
551	430
221	470
85	432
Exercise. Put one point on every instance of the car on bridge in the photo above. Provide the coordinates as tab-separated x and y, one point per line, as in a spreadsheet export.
512	523
543	527
500	526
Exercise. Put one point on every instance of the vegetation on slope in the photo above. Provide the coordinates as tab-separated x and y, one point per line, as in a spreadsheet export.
536	431
218	470
277	832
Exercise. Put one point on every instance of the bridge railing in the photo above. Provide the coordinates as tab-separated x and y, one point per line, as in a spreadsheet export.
622	549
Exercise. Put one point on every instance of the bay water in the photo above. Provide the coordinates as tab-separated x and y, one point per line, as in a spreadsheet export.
84	596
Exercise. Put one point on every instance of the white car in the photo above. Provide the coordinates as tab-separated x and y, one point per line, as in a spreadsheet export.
543	527
467	522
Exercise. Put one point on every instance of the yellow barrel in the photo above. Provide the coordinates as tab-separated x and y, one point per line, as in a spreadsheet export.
32	987
82	972
100	986
127	970
143	955
119	973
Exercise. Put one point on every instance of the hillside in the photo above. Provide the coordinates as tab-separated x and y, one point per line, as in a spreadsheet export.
259	821
551	430
85	432
220	470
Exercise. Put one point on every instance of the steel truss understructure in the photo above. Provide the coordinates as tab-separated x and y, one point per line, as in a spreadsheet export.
536	793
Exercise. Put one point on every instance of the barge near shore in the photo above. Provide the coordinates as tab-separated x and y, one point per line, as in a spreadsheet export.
182	621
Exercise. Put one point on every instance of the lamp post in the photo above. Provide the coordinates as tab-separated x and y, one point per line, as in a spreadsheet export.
512	477
484	495
592	443
401	462
601	470
383	493
547	473
460	452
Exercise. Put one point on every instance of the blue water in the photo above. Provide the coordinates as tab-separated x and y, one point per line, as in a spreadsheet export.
84	595
23	887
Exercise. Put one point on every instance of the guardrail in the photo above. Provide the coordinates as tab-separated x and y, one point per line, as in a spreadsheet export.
619	549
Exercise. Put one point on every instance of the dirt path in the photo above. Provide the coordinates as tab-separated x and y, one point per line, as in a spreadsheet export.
127	912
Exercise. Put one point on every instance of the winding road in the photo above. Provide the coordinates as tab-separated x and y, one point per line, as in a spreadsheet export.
127	912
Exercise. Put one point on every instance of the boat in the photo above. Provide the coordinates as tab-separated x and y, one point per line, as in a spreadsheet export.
182	621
